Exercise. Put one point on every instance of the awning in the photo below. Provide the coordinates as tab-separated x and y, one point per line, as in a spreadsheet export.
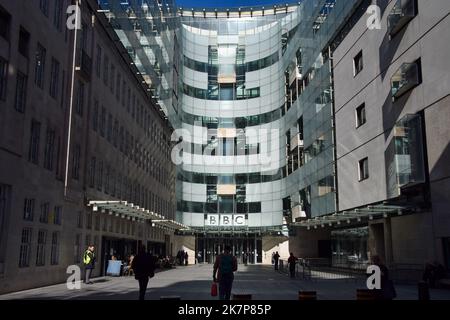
356	216
130	211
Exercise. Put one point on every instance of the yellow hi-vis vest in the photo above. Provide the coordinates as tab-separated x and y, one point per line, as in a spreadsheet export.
87	257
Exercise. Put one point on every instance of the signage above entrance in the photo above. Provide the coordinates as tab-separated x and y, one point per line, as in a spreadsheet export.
226	220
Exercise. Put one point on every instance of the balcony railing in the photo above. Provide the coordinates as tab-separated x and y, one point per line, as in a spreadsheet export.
403	12
405	78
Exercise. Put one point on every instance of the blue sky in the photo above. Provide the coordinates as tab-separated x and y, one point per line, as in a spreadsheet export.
225	3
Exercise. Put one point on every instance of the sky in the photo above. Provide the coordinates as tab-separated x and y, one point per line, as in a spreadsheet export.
225	3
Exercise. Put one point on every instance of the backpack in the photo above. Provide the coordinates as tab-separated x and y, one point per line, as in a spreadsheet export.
226	264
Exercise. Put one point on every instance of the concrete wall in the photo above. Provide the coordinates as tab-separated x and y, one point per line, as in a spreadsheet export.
305	243
186	243
272	244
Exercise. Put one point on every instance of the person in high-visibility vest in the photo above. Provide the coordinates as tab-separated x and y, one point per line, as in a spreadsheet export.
89	263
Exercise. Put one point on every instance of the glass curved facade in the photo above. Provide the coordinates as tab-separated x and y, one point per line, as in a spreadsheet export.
264	75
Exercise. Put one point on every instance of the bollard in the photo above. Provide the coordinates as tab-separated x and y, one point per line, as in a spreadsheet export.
424	290
307	295
242	297
367	294
171	298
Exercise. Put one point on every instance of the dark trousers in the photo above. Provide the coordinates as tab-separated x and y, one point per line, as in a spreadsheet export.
292	272
276	264
225	285
143	282
87	277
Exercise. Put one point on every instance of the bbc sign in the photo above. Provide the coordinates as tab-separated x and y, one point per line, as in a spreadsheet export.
226	220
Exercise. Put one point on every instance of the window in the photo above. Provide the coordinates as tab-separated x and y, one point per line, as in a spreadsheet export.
95	116
80	219
109	128
87	240
45	211
98	64
58	14
25	248
57	215
112	78
360	115
39	69
105	70
363	169
100	175
103	122
40	251
54	78
88	220
28	209
97	222
54	252
24	42
43	5
33	152
77	249
80	98
406	78
5	24
357	63
76	162
402	13
5	200
92	172
118	83
21	92
3	78
49	149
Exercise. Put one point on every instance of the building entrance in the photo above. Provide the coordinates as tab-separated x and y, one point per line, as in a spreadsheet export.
243	247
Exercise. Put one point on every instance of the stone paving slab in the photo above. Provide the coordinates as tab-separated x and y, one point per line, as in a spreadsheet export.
194	283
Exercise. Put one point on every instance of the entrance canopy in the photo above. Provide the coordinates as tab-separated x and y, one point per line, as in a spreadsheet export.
356	216
130	211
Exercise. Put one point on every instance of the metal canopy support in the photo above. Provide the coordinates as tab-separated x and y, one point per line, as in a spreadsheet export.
354	216
128	210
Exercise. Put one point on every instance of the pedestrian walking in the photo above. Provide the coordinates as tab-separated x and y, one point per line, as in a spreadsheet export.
387	291
89	263
225	266
291	261
276	258
143	266
186	256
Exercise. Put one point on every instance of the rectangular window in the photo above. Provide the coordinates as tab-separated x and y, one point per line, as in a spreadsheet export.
24	42
95	116
58	14
54	252
105	70
100	175
25	248
88	220
76	155
103	122
28	209
109	128
43	5
49	149
118	86
3	78
77	249
92	172
358	63
39	69
98	64
360	115
112	78
363	169
80	99
21	92
33	152
5	24
5	203
80	220
40	251
45	211
57	216
54	79
97	222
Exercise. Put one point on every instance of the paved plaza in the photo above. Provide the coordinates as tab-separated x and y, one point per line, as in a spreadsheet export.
193	283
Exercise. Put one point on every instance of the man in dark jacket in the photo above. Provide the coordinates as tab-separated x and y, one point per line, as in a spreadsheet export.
89	263
224	266
144	268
